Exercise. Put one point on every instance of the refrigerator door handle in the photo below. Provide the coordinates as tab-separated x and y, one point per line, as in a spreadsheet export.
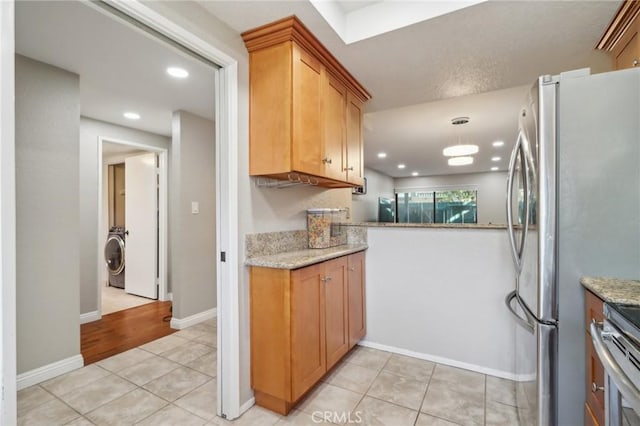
516	251
527	322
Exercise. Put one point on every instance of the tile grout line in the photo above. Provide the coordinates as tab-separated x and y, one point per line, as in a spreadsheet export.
117	375
424	398
372	382
485	400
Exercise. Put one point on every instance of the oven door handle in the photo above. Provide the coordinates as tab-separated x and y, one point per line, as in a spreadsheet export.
626	387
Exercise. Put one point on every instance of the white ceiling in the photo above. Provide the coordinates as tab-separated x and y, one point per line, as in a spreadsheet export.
121	68
483	48
420	76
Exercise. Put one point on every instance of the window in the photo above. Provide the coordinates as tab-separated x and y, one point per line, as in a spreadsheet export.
451	206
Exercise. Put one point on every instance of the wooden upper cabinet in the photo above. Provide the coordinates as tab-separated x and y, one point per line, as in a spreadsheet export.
622	37
334	120
355	141
307	124
305	108
629	56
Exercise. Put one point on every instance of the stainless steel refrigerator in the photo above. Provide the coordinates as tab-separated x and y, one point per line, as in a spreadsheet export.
574	180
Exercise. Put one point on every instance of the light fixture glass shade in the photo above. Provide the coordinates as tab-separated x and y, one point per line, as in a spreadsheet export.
457	150
460	161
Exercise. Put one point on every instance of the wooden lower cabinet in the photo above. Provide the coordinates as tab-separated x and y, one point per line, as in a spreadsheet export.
589	418
357	318
595	400
303	322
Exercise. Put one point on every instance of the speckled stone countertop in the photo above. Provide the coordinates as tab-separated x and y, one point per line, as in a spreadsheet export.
614	290
429	225
299	258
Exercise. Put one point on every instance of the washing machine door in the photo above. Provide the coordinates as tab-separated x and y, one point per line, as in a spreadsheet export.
114	254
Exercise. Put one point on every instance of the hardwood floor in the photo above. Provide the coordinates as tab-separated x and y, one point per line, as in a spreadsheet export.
124	330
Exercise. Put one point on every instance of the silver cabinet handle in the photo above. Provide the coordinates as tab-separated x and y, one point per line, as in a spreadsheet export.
610	364
595	388
325	279
635	62
348	169
352	268
326	160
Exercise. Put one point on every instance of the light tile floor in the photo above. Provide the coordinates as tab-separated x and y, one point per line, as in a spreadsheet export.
171	381
116	299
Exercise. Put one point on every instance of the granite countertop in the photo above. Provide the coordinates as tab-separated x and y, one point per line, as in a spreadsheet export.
614	290
429	225
299	258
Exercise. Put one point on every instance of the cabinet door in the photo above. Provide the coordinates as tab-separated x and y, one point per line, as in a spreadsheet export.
306	110
357	319
589	418
354	145
629	56
308	354
595	375
336	309
334	117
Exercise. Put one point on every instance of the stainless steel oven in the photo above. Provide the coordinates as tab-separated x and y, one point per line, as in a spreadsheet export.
617	343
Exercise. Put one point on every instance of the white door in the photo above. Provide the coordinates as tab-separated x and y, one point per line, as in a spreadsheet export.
141	223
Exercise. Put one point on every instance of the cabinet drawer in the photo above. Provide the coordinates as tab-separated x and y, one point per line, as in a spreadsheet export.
593	306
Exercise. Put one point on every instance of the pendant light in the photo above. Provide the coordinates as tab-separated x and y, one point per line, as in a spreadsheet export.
460	149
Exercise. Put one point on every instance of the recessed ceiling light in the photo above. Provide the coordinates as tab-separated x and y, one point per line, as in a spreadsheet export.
177	72
498	144
493	169
496	158
401	166
131	115
460	161
414	173
457	150
382	155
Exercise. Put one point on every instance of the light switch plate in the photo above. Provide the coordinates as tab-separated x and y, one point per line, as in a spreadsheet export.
195	207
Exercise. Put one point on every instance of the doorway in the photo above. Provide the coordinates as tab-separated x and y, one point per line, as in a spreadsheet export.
226	99
132	230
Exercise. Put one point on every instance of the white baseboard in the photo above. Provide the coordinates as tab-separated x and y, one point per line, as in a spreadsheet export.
250	403
180	323
447	361
90	317
49	371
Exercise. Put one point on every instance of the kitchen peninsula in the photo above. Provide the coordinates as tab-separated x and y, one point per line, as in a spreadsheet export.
436	292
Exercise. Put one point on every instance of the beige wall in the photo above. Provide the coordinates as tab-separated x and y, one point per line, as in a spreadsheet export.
193	236
47	209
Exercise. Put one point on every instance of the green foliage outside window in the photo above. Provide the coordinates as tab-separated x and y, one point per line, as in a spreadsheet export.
455	206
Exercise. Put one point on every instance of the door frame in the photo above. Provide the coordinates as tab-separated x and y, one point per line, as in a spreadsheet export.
163	207
227	233
8	404
226	99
